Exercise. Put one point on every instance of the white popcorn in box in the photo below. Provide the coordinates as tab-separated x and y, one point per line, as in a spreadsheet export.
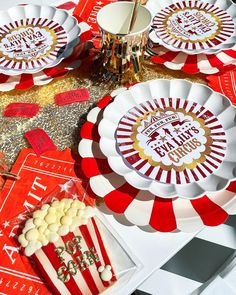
64	240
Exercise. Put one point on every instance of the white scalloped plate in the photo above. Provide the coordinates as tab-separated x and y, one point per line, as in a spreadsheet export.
140	207
171	137
34	37
193	26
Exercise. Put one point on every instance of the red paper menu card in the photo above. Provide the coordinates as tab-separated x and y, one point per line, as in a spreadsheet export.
38	177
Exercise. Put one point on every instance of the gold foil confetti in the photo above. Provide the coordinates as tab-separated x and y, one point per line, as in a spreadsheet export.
63	123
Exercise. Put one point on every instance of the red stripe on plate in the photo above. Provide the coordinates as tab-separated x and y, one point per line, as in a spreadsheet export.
185	104
133	159
156	103
168	56
149	171
119	200
191	65
163	217
232	187
218	147
139	111
216	159
144	162
177	177
186	176
158	176
170	100
163	102
93	167
127	151
122	122
231	53
215	127
134	114
104	101
201	172
192	107
26	82
3	78
124	130
87	130
125	143
55	73
218	153
220	140
210	213
218	134
211	163
207	168
177	103
194	175
123	136
211	121
168	177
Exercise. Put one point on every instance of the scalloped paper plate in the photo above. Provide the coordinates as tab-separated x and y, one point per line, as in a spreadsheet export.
26	81
171	137
192	64
193	26
140	207
34	37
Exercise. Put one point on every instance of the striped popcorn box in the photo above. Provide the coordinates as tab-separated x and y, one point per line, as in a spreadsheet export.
64	240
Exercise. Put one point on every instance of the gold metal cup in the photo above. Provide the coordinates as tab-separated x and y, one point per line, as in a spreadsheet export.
122	52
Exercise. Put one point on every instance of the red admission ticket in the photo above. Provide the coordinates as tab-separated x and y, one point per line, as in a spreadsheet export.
38	177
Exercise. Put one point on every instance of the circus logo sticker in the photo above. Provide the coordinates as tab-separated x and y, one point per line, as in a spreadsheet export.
172	139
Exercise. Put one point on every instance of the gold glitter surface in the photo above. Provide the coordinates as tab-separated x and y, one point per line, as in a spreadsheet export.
63	123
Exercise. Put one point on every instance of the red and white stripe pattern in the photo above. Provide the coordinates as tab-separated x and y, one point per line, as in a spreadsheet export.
27	81
83	282
52	53
214	157
142	208
224	31
193	64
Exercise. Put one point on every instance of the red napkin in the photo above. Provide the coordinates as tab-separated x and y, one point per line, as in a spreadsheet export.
38	177
225	84
87	11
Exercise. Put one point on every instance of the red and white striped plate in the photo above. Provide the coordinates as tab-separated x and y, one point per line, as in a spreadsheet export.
34	37
194	26
26	81
142	208
193	64
171	137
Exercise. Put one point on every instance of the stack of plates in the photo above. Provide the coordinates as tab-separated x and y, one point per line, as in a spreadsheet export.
193	35
163	154
35	39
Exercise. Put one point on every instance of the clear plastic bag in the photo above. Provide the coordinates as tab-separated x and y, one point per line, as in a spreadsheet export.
91	259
